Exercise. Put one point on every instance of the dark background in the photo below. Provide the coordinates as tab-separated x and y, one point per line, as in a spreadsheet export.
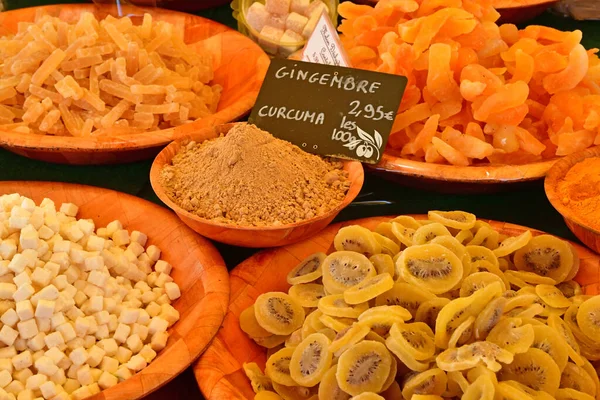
524	205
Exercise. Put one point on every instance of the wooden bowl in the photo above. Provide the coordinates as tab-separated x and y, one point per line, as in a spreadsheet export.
588	235
219	370
182	5
515	12
240	66
243	235
455	179
197	268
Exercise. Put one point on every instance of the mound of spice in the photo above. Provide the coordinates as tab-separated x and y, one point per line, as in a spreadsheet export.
580	191
251	178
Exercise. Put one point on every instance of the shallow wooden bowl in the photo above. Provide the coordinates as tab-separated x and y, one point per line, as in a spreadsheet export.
588	235
219	370
240	66
197	268
514	12
455	179
182	5
257	237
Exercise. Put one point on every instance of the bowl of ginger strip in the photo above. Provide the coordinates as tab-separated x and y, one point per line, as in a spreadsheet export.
573	188
80	86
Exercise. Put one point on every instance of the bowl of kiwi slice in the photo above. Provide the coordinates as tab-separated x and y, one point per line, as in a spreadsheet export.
424	307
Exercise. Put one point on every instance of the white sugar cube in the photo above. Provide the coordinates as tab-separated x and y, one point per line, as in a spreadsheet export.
280	7
7	290
57	319
71	385
153	253
79	356
6	365
102	332
123	373
29	237
23	293
86	225
45	366
109	346
45	233
8	335
109	364
22	360
27	329
277	21
15	387
257	16
54	340
295	22
22	278
114	226
69	209
10	317
81	393
122	333
316	8
147	353
134	343
123	354
129	315
95	243
41	277
20	344
35	381
120	237
136	363
95	355
8	248
49	390
94	263
45	308
8	352
37	342
23	375
18	263
67	331
310	25
107	380
163	267
169	313
139	237
5	378
74	234
55	355
172	290
269	38
84	376
25	310
299	6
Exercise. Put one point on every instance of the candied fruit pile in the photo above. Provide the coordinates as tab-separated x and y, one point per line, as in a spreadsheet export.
477	92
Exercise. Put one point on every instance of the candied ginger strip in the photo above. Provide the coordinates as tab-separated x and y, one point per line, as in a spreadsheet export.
88	125
68	87
133	58
68	119
9	82
45	93
146	28
94	100
49	120
100	50
50	64
116	36
119	90
24	83
33	113
82	63
162	37
148	89
7	93
157	109
6	113
113	115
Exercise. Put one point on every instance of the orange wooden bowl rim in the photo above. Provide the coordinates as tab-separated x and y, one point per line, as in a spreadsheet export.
531	3
210	133
197	267
483	173
137	141
219	370
557	174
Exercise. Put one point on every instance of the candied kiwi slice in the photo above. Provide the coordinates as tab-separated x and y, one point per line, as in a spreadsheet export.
307	294
429	310
250	326
453	219
407	221
462	334
572	394
512	244
348	337
358	239
588	317
431	382
364	368
552	296
369	289
489	317
310	360
549	341
555	322
575	377
388	246
406	295
431	267
335	306
477	281
512	334
416	338
385	229
329	388
344	269
292	392
267	395
427	233
570	288
308	270
259	381
278	313
546	255
478	253
482	389
534	369
278	367
383	263
403	234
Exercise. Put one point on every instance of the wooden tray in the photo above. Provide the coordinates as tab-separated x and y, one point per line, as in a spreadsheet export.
451	178
240	66
197	268
219	371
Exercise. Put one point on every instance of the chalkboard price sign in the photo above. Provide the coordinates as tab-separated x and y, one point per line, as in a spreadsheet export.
329	110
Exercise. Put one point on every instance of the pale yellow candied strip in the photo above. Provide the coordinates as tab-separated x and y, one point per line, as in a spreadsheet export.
158	109
163	36
146	28
68	87
180	82
104	67
119	69
24	83
184	113
39	36
69	119
17	112
49	120
88	125
33	113
82	73
78	44
116	36
143	120
47	104
45	93
61	33
143	59
156	59
180	97
6	113
94	100
81	63
22	129
94	89
9	82
57	75
100	50
49	65
133	58
113	115
30	101
119	90
7	93
148	89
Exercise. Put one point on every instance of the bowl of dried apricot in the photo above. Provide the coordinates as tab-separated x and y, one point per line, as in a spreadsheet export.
573	188
412	307
485	102
84	87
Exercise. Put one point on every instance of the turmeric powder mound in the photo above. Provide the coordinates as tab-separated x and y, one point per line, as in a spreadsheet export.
251	178
580	191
